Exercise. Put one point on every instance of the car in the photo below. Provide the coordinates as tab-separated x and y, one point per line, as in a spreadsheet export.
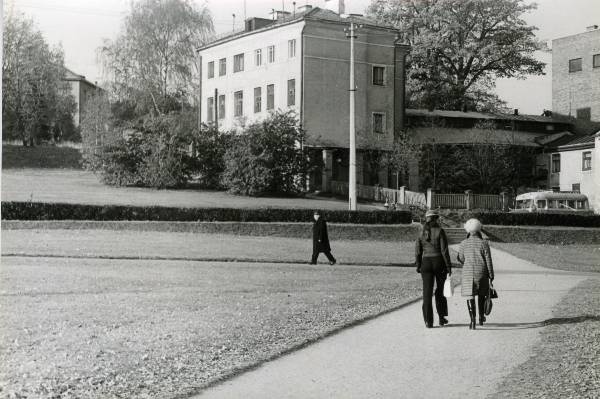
552	202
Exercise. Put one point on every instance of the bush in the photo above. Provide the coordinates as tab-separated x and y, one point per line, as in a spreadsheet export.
267	157
57	211
210	147
522	219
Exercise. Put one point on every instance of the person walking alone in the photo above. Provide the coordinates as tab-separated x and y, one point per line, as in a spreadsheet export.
477	271
433	262
320	239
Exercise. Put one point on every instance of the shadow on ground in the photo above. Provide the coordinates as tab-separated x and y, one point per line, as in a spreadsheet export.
535	324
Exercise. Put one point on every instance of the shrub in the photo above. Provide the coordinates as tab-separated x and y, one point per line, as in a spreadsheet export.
208	161
267	157
58	211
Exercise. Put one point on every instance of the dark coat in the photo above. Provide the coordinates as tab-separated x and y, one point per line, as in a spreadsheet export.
437	246
476	257
320	237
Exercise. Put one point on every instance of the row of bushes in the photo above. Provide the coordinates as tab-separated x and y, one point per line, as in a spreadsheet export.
57	211
522	219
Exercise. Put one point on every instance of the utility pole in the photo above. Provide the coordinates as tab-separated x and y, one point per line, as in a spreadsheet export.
352	130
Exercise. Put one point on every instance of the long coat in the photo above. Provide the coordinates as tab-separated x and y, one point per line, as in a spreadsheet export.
476	257
320	237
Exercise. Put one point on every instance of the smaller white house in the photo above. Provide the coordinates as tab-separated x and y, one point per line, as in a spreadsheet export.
82	90
577	163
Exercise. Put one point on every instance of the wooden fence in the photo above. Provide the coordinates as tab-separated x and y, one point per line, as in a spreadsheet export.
467	200
381	194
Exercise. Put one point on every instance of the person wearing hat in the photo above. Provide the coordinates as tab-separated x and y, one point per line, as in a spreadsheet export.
433	262
478	270
320	239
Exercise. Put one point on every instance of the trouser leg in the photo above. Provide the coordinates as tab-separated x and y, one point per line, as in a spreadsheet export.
441	303
314	257
330	256
428	279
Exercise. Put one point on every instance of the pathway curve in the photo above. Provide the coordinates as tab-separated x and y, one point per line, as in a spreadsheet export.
394	356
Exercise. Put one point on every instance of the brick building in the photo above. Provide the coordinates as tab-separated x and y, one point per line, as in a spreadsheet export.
576	75
300	61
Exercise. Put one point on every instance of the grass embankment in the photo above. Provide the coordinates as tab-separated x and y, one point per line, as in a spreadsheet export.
160	329
42	157
578	258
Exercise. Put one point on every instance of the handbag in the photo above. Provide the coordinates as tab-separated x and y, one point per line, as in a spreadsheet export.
448	289
487	305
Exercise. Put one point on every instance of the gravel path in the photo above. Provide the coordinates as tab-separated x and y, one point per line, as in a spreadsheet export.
566	360
394	356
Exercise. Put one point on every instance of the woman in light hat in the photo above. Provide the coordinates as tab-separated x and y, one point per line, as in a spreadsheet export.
433	262
477	270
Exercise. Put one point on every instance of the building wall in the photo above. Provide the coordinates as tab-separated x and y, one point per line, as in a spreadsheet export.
576	90
252	76
327	72
571	173
75	90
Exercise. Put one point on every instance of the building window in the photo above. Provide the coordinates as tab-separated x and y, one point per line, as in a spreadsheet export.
291	92
211	69
222	66
292	48
257	99
575	65
271	54
258	57
596	61
584	113
379	76
576	187
378	122
238	101
222	106
238	63
555	168
586	160
270	96
210	109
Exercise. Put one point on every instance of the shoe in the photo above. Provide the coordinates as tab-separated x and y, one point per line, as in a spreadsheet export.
481	320
333	263
443	321
428	325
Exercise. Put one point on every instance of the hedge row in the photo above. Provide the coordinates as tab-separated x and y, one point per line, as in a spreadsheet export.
523	219
58	211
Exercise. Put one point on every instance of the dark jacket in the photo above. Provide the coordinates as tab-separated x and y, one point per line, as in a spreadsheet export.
436	246
320	237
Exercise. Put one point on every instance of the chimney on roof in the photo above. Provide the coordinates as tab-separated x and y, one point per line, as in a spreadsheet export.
340	7
591	28
516	111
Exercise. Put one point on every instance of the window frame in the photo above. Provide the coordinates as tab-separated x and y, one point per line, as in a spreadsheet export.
257	99
594	63
210	69
383	122
383	78
572	69
238	63
258	57
576	187
210	109
291	92
291	48
586	156
271	54
552	162
238	103
222	66
221	106
271	97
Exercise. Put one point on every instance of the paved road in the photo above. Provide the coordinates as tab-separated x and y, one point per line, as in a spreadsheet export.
394	356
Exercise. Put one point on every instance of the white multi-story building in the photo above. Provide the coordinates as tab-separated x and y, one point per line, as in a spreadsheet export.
300	62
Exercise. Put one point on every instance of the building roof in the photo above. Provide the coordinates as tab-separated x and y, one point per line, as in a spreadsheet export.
315	13
72	76
578	142
486	115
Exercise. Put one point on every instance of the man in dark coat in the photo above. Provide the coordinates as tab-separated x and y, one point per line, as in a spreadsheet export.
320	240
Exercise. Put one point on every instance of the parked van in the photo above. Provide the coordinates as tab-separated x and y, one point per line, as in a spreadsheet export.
550	201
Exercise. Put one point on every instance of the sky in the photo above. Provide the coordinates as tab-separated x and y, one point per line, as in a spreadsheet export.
80	26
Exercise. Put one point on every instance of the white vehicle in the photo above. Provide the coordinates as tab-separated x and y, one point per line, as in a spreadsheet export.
550	201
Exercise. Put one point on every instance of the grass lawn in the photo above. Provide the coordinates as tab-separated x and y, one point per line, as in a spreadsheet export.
150	244
42	156
580	258
82	187
125	328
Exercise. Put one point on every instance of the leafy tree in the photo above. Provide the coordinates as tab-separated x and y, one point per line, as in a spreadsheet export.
36	101
97	127
152	63
459	48
210	147
267	157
